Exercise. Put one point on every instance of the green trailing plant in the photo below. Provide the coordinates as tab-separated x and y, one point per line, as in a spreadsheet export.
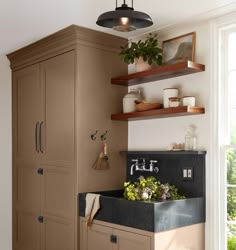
150	189
147	49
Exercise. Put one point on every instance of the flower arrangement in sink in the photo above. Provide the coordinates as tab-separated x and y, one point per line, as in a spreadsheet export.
150	189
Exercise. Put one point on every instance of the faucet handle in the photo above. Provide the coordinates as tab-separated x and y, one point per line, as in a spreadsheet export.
143	160
152	168
156	170
153	161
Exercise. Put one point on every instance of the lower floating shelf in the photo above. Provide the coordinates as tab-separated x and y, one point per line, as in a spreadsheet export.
159	113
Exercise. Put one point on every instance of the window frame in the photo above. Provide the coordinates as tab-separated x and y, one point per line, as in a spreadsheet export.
215	174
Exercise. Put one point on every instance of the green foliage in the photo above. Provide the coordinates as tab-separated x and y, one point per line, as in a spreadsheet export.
231	241
231	178
147	49
150	189
231	244
231	204
231	166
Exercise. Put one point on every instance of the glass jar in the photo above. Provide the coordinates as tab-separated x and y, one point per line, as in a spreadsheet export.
190	139
128	100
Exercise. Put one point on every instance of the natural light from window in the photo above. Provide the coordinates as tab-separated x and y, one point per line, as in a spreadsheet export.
230	143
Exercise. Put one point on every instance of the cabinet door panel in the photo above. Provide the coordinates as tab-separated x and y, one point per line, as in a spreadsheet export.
131	241
57	234
58	78
58	192
27	231
26	181
189	237
98	237
26	106
28	189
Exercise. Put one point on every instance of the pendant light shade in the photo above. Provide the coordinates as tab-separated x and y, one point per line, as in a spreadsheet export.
124	19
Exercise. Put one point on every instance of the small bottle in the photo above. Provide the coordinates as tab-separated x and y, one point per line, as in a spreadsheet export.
190	139
188	144
194	138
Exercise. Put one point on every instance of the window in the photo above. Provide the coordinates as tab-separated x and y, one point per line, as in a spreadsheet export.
228	135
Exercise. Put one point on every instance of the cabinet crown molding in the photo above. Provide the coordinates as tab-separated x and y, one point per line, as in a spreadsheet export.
63	41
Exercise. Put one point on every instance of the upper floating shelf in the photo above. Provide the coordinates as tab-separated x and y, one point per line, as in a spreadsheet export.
159	73
164	152
159	113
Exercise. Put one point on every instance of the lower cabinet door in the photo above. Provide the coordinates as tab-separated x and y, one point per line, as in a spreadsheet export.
57	234
26	231
96	237
102	237
131	241
26	207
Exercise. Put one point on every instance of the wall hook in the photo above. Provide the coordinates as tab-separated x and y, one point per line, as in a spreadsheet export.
93	136
103	136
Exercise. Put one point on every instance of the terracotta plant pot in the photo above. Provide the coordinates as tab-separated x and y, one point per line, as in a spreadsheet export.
141	65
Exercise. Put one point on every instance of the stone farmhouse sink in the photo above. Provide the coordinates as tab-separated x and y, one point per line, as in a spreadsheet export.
155	216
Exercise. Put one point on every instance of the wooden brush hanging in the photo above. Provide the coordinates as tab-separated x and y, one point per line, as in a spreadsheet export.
102	162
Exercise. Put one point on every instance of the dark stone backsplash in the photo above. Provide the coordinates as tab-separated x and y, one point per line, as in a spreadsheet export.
158	216
171	166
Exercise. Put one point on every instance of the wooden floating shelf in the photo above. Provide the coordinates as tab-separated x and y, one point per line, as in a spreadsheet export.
159	113
159	73
164	152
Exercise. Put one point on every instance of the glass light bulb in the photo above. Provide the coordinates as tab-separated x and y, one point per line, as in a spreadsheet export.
124	20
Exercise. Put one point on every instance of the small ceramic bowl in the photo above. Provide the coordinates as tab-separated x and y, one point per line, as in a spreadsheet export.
189	101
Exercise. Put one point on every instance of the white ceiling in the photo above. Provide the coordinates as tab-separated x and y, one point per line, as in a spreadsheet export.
25	21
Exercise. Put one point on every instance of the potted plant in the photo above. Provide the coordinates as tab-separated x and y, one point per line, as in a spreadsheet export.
144	54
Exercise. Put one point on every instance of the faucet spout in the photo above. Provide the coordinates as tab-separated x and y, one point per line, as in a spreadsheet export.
138	166
134	165
132	169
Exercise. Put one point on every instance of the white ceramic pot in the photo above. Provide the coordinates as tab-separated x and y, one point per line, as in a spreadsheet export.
128	100
141	65
167	93
189	101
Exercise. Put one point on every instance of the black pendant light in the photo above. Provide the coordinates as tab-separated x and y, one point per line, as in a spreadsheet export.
124	19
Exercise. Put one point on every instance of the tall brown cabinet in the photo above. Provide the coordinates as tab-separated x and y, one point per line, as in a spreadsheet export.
61	95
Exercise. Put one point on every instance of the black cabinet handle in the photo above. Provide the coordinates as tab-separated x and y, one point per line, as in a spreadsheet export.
40	137
113	238
40	171
36	137
40	219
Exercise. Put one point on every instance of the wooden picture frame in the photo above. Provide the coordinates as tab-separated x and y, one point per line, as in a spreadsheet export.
179	49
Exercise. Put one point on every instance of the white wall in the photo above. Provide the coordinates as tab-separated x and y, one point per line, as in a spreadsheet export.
5	155
157	134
